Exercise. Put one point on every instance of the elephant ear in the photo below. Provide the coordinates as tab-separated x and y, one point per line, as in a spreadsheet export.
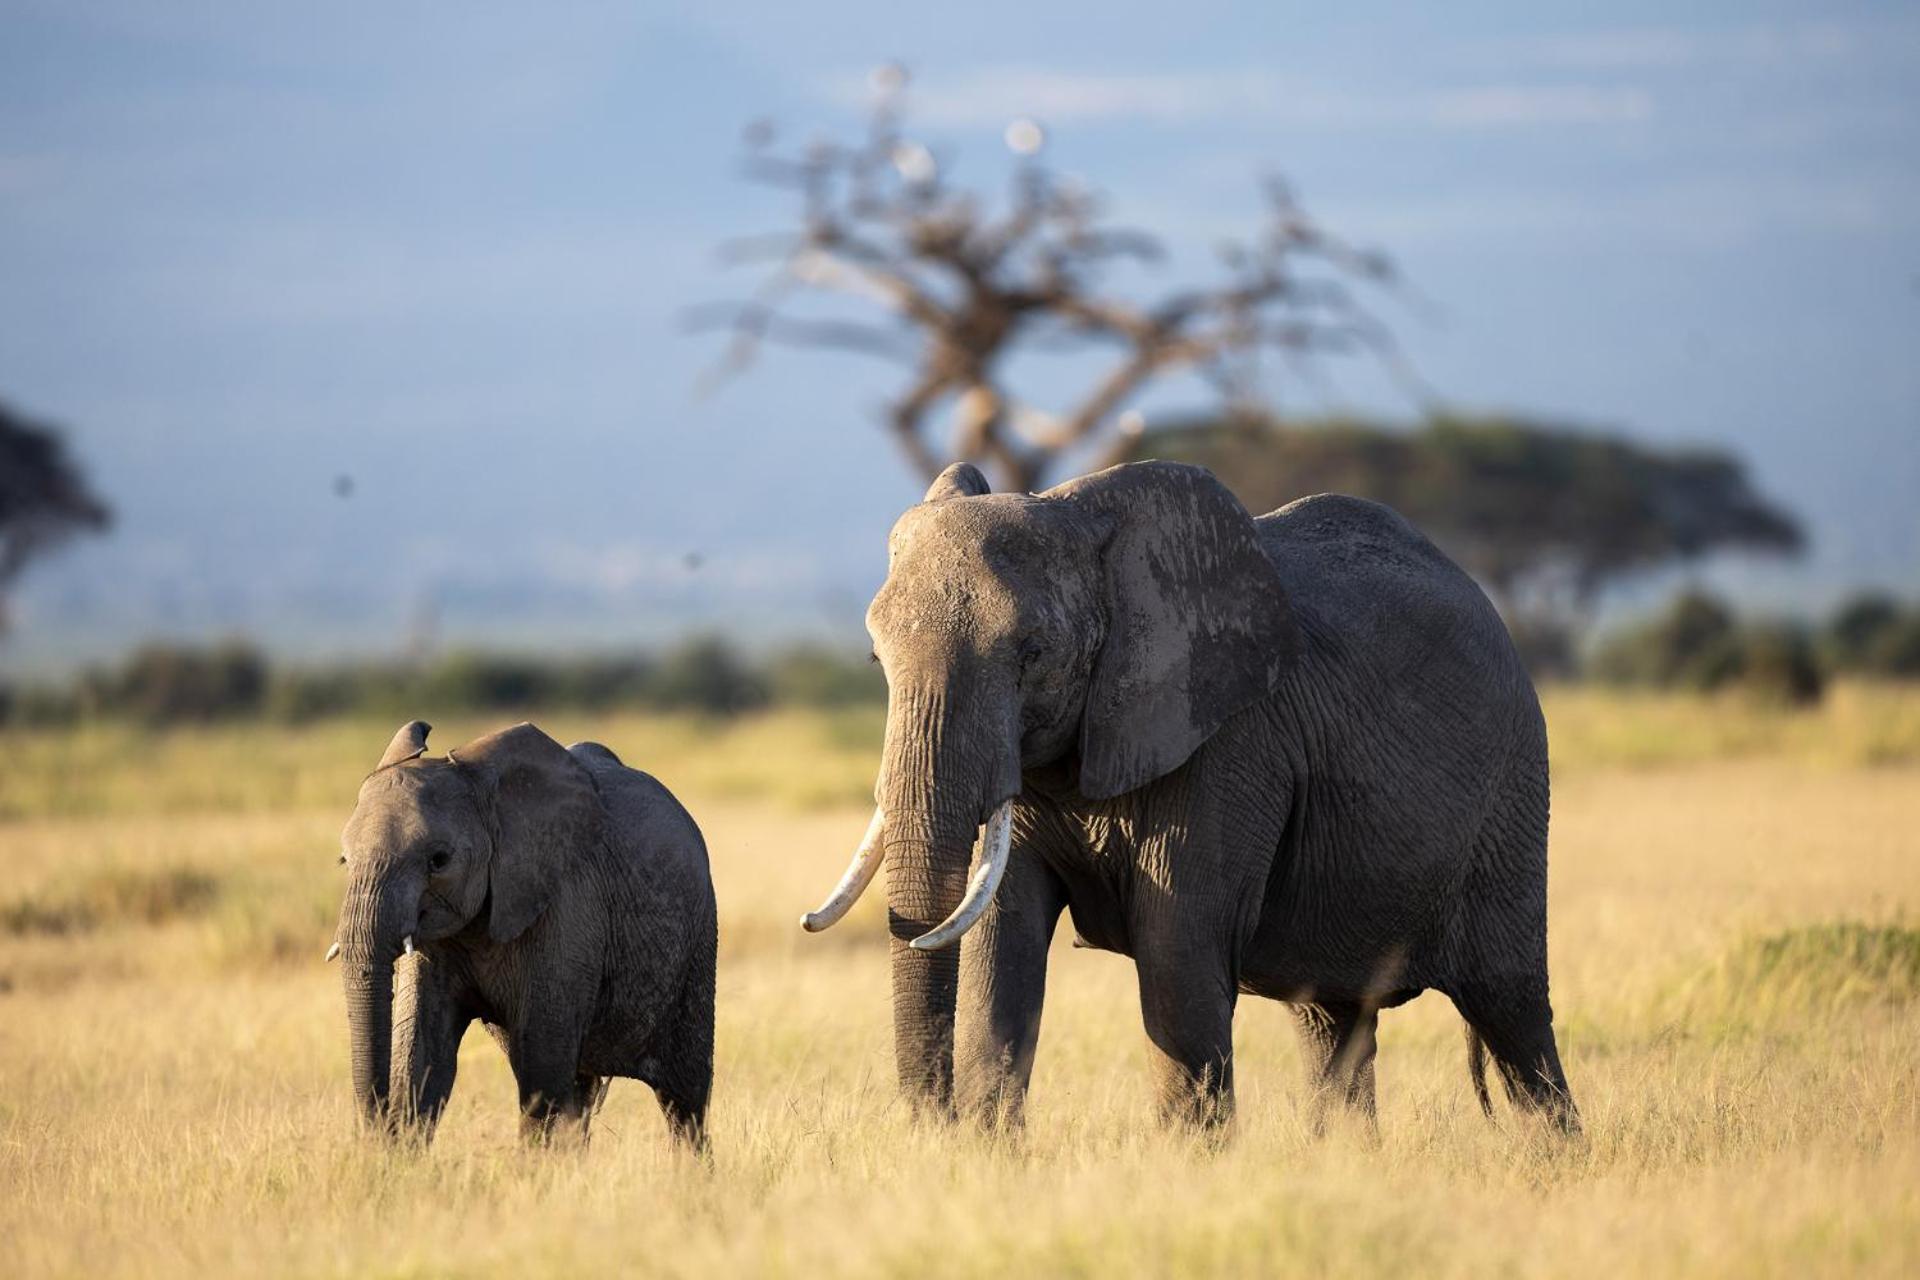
1198	624
961	480
408	744
545	811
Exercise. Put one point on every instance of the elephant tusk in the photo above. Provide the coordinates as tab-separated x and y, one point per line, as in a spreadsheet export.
406	944
332	952
860	874
980	889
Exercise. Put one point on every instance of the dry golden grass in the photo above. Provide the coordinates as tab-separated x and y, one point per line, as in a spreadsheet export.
173	1096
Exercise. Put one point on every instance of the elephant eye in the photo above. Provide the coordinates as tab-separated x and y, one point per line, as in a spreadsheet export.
438	860
342	858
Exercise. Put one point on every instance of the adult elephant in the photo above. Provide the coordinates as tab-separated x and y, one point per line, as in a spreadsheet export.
1295	757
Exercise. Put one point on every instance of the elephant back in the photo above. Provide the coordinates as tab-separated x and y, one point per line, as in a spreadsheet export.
1364	577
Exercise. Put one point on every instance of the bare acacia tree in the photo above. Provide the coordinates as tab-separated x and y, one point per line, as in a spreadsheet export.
964	284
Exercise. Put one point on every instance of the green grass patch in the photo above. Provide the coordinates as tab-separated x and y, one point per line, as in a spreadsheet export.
1804	973
1840	964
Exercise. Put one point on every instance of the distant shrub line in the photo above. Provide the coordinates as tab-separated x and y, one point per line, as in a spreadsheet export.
1698	644
166	684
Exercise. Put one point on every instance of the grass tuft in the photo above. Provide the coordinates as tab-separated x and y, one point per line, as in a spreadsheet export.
1819	968
112	896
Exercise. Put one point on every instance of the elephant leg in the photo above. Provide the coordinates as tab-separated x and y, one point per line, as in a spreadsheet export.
589	1092
545	1057
686	1117
1501	989
1003	984
1187	998
428	1024
1517	1029
1337	1045
683	1081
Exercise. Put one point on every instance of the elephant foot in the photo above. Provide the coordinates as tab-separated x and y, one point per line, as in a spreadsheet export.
686	1124
1201	1103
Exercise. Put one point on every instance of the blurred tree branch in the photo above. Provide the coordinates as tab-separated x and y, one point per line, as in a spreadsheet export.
965	285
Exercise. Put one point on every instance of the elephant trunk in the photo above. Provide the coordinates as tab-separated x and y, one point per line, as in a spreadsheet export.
924	883
376	924
937	783
370	1025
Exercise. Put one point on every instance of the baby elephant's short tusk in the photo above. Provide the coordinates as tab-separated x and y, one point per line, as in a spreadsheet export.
980	889
406	944
332	952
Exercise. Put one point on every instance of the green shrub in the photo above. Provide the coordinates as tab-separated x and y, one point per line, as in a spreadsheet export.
1896	651
1873	635
1698	644
814	676
492	681
1775	662
167	684
1690	646
589	683
1856	627
299	697
705	674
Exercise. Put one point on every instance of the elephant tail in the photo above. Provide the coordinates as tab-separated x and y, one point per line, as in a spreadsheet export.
1477	1069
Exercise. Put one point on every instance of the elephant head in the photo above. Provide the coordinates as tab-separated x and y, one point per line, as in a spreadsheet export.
432	846
1110	625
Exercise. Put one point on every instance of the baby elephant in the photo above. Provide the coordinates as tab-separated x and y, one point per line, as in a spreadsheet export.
554	894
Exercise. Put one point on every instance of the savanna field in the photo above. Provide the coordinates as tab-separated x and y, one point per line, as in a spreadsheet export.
1736	966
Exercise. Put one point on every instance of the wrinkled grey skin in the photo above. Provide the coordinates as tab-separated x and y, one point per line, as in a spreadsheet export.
553	894
1295	757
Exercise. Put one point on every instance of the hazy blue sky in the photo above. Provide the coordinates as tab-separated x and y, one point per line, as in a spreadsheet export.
444	248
